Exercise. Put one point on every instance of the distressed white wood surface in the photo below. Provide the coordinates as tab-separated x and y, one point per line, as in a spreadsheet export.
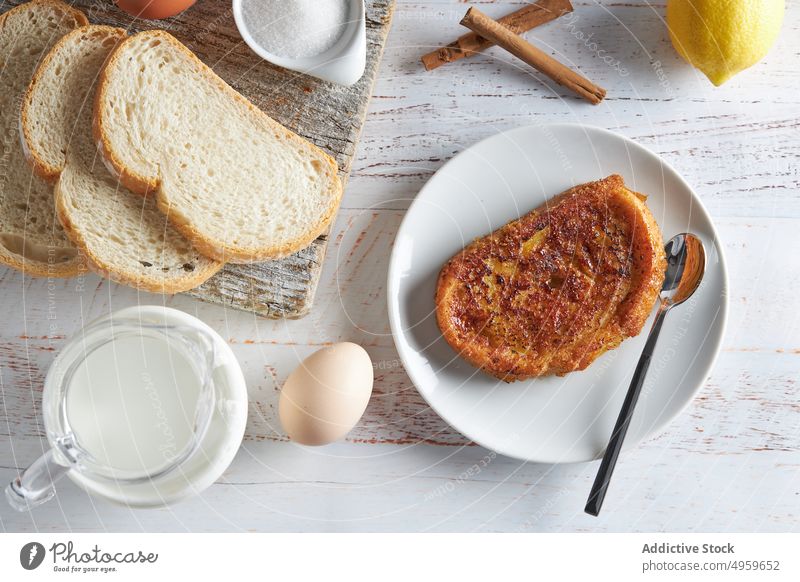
731	462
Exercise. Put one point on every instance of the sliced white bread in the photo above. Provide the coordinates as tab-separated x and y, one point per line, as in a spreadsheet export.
123	235
31	238
239	185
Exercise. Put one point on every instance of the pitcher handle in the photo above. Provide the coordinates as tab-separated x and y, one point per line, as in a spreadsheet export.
35	485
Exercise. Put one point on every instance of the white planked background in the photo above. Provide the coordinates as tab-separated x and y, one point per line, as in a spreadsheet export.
731	462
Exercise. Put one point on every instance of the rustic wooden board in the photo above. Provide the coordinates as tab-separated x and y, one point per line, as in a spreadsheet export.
326	114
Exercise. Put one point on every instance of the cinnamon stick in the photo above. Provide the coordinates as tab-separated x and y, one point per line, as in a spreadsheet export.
481	24
524	19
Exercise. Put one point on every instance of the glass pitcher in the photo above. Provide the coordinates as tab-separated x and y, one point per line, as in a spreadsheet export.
172	445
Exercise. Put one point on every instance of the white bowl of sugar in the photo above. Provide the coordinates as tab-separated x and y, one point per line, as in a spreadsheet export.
323	38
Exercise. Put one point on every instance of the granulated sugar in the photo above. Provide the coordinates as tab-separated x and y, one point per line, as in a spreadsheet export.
295	28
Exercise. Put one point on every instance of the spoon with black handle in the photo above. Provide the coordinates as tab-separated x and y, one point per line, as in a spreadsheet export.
686	263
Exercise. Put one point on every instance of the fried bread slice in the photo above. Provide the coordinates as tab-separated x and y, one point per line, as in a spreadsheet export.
550	292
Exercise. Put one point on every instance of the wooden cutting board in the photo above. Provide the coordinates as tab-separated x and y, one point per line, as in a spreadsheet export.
328	115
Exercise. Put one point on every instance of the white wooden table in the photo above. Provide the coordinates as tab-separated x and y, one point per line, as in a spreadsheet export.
731	462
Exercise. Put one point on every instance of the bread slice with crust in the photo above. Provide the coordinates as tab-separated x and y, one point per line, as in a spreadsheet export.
242	187
550	292
123	235
31	238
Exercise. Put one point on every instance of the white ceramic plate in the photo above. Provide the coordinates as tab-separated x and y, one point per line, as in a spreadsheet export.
552	419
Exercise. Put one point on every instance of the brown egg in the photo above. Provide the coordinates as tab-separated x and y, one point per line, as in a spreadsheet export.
326	394
154	9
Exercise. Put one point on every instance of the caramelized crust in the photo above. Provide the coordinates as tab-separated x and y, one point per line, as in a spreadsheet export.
550	292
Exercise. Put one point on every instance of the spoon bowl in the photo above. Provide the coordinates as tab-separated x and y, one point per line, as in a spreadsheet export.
686	264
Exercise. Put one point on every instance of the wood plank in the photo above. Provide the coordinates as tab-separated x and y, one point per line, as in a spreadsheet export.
328	115
280	487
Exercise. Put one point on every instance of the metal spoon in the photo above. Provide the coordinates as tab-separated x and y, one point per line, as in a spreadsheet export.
686	263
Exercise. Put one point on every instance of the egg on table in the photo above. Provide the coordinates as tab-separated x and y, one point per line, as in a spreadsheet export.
154	9
325	396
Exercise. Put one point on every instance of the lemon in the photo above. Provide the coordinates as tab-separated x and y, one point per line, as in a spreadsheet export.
723	37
